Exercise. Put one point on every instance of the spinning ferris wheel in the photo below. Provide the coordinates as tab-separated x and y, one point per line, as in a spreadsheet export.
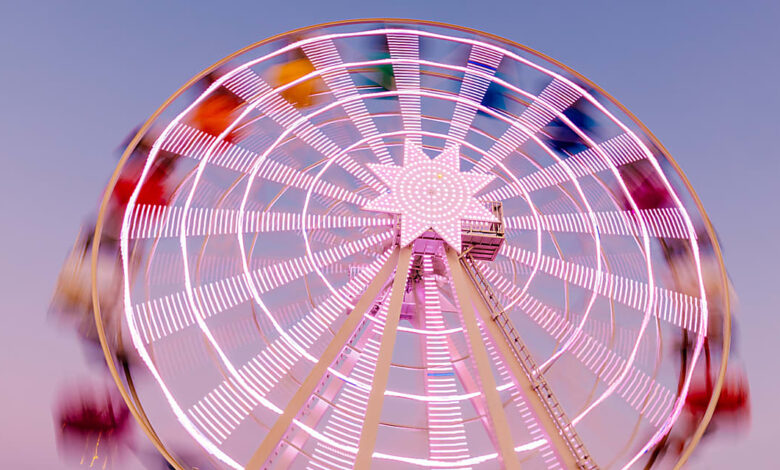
404	245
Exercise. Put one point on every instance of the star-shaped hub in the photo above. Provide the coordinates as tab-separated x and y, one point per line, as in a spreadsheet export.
431	194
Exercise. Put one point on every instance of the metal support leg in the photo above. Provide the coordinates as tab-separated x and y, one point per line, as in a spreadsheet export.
470	385
303	394
386	346
285	459
522	380
506	449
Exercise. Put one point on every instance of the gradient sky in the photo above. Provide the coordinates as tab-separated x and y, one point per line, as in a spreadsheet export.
77	76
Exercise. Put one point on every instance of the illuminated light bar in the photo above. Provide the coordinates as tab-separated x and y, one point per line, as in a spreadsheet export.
620	150
660	222
247	85
431	194
556	97
279	274
150	221
430	332
674	307
455	464
270	366
433	398
345	423
323	54
195	143
585	347
529	419
164	316
407	77
473	88
446	432
161	317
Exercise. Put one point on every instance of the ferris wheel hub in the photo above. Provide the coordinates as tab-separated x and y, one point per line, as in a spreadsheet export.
431	194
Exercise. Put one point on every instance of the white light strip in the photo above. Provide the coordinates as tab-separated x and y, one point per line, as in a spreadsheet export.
458	463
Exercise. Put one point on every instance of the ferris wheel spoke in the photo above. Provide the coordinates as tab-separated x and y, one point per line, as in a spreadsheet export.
554	99
327	393
472	90
561	434
325	360
155	221
660	222
272	277
221	410
471	386
349	407
446	432
346	420
620	150
193	143
219	267
184	355
498	420
674	307
407	78
323	54
533	424
284	221
248	85
591	351
161	317
384	359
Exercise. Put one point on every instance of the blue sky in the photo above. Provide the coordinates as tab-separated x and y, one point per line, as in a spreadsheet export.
77	76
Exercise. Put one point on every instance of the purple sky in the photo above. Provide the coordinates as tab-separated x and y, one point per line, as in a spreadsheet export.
77	76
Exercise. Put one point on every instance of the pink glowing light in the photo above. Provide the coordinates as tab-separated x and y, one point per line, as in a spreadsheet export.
428	194
431	194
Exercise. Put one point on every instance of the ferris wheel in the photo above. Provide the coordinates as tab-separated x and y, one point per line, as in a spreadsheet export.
405	245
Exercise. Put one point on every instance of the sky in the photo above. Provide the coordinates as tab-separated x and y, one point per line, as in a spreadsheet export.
77	76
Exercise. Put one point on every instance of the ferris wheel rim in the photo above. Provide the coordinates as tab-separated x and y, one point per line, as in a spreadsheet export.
305	119
187	85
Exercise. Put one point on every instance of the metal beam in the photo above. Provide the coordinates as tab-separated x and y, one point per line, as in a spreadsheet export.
386	346
280	427
284	460
470	385
520	378
506	447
